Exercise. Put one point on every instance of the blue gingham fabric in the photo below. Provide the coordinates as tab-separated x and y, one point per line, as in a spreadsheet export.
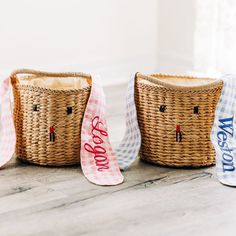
223	132
129	147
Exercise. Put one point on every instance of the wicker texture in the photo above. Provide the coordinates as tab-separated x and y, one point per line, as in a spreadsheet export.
33	127
159	129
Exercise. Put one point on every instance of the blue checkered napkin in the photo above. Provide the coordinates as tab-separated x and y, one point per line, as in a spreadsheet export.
223	135
128	149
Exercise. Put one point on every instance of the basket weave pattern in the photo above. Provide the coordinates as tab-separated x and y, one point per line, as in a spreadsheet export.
158	129
33	126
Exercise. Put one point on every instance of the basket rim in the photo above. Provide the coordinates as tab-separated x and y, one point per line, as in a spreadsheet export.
30	72
49	74
153	78
50	90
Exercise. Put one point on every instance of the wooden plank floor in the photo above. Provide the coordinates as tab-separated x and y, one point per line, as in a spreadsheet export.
152	201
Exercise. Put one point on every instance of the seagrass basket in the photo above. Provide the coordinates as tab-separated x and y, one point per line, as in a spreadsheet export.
48	114
175	115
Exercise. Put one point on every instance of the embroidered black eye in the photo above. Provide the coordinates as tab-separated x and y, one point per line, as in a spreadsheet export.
69	110
196	110
162	108
35	107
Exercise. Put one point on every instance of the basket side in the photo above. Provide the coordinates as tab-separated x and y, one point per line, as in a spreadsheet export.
33	126
158	128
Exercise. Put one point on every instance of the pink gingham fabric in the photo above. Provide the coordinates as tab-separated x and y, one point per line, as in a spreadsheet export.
8	137
98	160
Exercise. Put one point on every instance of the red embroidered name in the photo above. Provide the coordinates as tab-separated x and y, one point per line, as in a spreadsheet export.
99	152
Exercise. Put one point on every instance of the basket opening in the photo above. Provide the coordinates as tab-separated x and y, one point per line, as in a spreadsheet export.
55	83
182	81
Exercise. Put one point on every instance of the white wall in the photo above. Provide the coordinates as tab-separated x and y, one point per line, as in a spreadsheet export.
176	28
114	38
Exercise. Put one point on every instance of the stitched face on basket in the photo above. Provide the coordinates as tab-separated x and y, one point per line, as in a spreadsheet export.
48	114
175	117
58	120
183	121
171	116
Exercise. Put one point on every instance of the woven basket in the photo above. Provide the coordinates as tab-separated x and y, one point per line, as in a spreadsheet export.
48	121
175	115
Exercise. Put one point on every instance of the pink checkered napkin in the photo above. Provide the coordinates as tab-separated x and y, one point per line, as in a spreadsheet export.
8	137
98	161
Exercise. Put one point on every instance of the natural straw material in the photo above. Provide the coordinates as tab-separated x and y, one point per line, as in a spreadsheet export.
175	115
48	121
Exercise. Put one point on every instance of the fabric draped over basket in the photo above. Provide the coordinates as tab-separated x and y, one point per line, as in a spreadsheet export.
174	116
49	122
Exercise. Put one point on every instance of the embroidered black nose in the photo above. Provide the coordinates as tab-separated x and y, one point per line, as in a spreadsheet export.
196	110
69	110
35	107
162	108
